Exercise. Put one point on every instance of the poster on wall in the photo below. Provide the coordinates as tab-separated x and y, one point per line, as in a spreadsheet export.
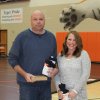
14	15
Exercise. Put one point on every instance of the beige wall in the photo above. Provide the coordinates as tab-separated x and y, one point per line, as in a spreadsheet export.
51	2
52	20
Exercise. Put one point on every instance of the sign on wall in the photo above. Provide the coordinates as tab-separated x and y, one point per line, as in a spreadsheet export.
12	15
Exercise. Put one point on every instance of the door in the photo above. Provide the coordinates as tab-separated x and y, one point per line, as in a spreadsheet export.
3	42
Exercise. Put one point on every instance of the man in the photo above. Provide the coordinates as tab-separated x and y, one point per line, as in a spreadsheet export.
27	57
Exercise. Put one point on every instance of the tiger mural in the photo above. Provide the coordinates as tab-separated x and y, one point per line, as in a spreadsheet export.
77	12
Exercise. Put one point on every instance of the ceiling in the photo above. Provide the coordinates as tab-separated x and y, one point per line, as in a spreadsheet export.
5	1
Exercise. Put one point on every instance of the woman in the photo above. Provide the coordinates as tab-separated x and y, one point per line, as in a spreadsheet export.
74	68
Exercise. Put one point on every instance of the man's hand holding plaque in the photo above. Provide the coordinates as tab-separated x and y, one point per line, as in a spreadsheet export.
49	64
38	78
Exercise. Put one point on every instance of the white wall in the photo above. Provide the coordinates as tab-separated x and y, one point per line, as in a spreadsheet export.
35	3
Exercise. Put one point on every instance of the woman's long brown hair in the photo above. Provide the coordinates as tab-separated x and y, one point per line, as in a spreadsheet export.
79	43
